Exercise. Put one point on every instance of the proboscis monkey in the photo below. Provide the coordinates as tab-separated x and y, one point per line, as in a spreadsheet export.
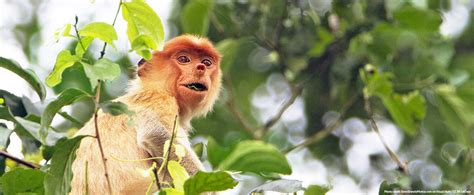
184	79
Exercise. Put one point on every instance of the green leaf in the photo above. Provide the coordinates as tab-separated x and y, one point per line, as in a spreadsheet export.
388	188
4	136
20	181
115	108
27	74
418	19
28	127
86	42
229	48
58	180
170	191
142	20
281	185
216	153
178	173
452	109
208	182
406	110
100	30
257	157
67	97
64	60
142	45
195	16
103	69
316	190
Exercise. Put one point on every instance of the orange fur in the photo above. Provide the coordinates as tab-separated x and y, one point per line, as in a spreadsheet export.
155	97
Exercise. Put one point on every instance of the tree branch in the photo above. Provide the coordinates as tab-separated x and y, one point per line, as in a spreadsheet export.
19	161
323	133
97	107
235	110
401	165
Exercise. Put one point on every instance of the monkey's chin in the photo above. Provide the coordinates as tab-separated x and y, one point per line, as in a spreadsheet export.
191	94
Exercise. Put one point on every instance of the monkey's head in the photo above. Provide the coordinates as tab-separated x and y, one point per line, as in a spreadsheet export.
188	68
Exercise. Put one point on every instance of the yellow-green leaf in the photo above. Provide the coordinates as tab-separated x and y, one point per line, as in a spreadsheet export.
100	30
64	60
209	182
178	173
103	69
142	20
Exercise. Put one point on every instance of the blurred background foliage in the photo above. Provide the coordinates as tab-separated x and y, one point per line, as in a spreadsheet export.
295	75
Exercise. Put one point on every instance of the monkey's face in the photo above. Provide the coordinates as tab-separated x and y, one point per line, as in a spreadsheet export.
198	73
188	67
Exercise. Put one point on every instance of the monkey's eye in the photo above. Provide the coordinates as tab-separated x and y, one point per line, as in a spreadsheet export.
183	59
206	62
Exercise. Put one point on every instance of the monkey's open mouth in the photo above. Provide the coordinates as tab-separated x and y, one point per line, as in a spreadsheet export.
196	86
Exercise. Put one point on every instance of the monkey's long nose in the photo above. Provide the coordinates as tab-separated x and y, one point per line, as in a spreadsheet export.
200	69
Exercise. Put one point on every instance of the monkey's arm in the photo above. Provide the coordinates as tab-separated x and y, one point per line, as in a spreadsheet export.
152	135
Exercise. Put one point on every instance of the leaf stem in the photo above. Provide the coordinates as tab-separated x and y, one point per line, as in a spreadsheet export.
19	161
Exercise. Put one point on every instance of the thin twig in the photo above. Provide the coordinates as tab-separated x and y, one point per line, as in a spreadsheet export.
19	161
77	34
235	110
102	53
164	165
323	133
401	165
97	101
157	179
97	135
296	91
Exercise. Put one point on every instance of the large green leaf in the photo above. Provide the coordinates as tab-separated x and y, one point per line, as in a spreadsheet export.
208	182
142	20
23	181
100	30
103	69
27	74
64	60
418	19
256	157
58	180
28	127
195	16
229	49
67	97
452	109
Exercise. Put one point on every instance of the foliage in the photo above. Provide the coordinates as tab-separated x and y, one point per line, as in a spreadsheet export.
280	58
